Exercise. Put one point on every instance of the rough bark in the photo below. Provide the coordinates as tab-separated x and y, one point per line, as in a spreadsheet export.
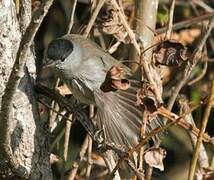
29	141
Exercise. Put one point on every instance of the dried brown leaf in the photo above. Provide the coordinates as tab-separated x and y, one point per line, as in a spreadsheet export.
110	23
170	53
147	99
204	174
155	157
115	80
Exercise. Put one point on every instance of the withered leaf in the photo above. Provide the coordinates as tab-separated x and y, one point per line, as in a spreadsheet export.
110	23
204	174
154	158
170	53
115	80
146	98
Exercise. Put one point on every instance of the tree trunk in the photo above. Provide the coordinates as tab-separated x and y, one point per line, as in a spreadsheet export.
29	140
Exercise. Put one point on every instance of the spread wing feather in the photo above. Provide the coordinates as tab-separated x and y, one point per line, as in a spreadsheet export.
120	117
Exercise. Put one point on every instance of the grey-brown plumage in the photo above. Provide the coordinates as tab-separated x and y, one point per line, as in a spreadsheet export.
83	65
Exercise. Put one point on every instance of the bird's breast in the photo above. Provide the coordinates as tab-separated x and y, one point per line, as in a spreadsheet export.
81	92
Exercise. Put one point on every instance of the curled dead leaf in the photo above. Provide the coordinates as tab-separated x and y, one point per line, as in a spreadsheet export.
146	97
122	84
110	23
115	80
170	53
154	158
116	72
204	174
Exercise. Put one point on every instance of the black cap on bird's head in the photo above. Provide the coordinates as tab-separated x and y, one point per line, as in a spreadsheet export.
59	49
63	54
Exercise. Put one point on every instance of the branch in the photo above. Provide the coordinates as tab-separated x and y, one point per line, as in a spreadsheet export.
80	157
89	151
175	119
12	85
93	17
199	77
77	111
126	25
202	131
187	23
70	25
66	144
170	23
185	109
143	142
181	122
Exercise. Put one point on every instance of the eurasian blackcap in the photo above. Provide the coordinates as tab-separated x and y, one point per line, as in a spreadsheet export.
83	66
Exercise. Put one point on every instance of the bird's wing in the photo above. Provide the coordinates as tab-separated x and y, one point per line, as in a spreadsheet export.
120	117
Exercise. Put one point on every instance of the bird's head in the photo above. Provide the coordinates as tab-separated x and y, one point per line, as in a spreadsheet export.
63	54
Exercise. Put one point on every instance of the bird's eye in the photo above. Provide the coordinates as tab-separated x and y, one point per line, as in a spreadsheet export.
59	49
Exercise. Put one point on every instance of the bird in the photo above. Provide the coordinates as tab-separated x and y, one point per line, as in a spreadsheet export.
84	67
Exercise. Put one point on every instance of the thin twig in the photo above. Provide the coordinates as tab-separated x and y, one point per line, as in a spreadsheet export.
198	78
114	47
57	112
141	144
76	163
70	25
110	163
89	151
69	106
174	118
57	139
93	18
136	171
201	132
126	25
141	155
170	22
203	5
89	160
66	144
185	109
54	109
149	169
193	61
187	23
133	40
12	84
